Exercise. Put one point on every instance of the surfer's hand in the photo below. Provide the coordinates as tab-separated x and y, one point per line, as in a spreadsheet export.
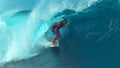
55	29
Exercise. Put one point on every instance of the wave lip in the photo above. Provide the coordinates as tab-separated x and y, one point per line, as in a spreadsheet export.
24	27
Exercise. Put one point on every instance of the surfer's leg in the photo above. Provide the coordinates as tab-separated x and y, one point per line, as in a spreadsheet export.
56	37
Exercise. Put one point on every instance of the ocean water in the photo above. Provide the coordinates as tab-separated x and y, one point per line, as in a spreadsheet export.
90	40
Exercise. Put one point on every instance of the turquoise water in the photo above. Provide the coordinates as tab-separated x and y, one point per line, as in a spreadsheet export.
23	26
91	37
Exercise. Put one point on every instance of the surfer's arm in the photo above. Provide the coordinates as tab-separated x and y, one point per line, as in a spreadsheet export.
57	28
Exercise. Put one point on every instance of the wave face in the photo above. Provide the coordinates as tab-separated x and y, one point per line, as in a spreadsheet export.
23	30
92	23
94	34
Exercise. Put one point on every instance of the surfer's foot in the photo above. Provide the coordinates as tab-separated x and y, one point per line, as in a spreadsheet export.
53	44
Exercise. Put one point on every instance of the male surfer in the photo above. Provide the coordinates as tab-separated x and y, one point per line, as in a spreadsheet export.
55	29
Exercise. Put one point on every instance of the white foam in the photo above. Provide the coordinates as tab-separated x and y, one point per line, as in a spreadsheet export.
22	46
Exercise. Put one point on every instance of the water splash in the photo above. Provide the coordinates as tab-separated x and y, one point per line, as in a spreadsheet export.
20	34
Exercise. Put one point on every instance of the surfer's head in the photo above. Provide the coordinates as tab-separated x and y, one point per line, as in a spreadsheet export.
65	21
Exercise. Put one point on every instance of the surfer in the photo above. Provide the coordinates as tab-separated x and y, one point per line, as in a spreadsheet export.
55	29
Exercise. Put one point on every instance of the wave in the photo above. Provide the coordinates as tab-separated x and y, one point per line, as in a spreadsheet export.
26	32
95	31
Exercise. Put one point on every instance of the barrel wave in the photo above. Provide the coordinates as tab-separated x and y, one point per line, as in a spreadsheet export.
90	39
